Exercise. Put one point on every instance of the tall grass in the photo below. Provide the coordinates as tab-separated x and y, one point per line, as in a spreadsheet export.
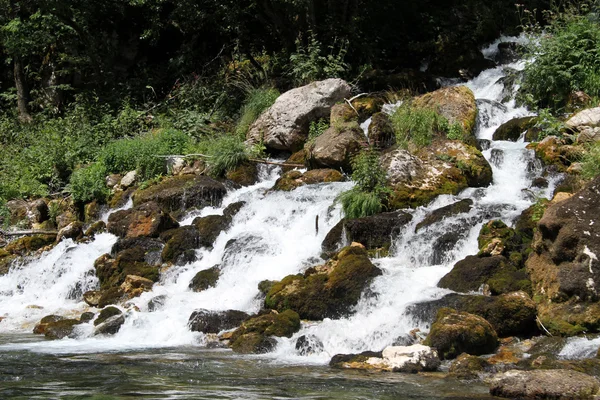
591	162
418	125
257	101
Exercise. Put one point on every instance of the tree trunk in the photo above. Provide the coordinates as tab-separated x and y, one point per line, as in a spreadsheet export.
22	91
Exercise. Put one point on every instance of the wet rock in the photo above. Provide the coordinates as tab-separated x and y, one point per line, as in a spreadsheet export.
372	232
381	132
455	332
144	220
408	359
95	229
284	126
294	179
564	266
467	367
205	279
140	248
156	303
92	297
40	328
243	248
245	175
179	241
28	244
343	360
110	326
210	227
462	206
497	157
325	291
540	183
508	52
107	313
61	329
547	384
182	193
72	231
256	334
513	129
112	273
307	345
216	321
484	144
335	147
134	286
86	317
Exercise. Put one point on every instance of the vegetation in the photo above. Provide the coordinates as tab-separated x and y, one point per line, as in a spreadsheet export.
257	101
87	184
591	162
368	196
316	129
565	59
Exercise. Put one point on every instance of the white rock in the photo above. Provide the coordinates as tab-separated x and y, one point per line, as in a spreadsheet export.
589	117
407	359
129	179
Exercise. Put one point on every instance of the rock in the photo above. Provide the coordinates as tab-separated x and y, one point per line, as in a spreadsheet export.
588	135
284	126
511	314
92	297
182	192
455	103
86	317
350	360
111	326
335	147
294	179
410	359
589	117
210	227
205	279
178	242
307	345
455	332
298	157
107	313
325	291
342	113
216	321
175	165
467	367
72	231
142	247
513	129
96	228
367	106
37	211
462	206
156	303
146	219
18	210
134	285
508	52
112	273
245	175
28	244
564	266
254	334
40	328
544	384
61	329
372	232
113	180
381	133
495	238
129	179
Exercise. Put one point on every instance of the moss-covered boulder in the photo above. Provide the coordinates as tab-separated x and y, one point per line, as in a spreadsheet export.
299	158
147	219
513	129
40	328
460	207
408	359
455	103
294	179
381	132
95	229
455	332
210	227
181	244
28	244
245	174
255	334
335	147
216	321
374	232
205	279
366	106
468	367
106	313
182	193
325	291
61	328
495	238
564	266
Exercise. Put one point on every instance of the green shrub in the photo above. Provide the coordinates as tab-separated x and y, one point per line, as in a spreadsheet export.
310	63
548	124
417	125
566	58
225	154
455	132
367	171
316	128
257	101
359	204
591	162
88	183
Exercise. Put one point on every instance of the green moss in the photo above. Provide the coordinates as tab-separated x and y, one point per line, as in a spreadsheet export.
28	244
558	326
205	279
106	313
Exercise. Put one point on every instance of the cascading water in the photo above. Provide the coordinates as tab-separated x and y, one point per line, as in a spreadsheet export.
274	235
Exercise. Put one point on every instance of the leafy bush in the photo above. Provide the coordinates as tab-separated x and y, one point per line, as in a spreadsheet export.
417	125
548	124
359	204
310	63
225	154
564	59
316	128
88	183
455	131
591	162
257	101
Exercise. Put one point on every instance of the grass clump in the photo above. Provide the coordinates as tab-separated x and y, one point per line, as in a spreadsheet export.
225	154
368	196
591	162
419	125
316	129
257	101
87	184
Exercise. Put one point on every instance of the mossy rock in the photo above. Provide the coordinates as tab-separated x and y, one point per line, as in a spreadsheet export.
342	113
253	343
112	272
460	207
455	103
366	106
112	295
468	367
205	279
294	179
179	241
245	175
299	157
381	131
455	332
253	335
343	360
513	129
40	328
29	244
106	313
210	227
496	238
95	229
61	329
327	291
6	260
145	220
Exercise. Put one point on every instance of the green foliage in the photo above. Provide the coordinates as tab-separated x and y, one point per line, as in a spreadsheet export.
565	59
418	125
370	192
88	183
455	132
548	124
538	209
257	101
591	162
224	153
310	62
4	213
316	128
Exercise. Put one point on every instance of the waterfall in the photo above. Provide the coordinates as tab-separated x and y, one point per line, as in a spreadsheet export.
272	236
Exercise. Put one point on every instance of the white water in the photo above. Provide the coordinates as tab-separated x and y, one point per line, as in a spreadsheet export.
275	233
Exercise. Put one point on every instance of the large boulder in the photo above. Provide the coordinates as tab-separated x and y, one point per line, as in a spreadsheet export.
216	321
544	384
372	232
455	103
284	126
294	179
585	118
209	228
455	332
147	219
564	267
325	291
181	244
61	329
256	333
410	359
511	314
513	129
462	206
335	147
182	192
